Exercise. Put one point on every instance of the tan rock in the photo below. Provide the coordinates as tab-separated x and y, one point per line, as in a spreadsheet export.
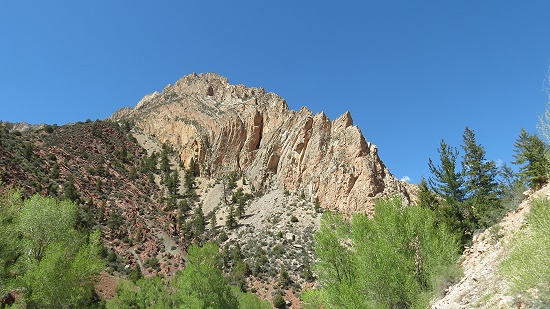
224	128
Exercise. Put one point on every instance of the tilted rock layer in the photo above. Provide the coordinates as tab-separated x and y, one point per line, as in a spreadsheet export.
225	128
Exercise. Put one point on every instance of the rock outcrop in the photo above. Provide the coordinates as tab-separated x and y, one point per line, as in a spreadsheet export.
224	128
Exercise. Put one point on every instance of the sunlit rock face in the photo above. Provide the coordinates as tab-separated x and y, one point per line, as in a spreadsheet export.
224	128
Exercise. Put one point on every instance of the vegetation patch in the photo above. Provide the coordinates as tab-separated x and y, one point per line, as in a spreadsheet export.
527	265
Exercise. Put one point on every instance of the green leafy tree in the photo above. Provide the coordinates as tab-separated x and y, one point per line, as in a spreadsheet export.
44	221
251	301
10	245
202	284
144	293
336	266
51	262
77	261
426	197
398	259
532	154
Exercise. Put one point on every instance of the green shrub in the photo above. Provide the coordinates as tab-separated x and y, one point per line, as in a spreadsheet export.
152	262
527	265
399	259
279	301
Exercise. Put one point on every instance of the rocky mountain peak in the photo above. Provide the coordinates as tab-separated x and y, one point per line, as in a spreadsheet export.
225	128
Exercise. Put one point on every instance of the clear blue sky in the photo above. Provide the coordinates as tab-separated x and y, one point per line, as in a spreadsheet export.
410	72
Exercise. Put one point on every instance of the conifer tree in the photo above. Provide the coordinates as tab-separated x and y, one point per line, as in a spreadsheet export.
198	221
481	185
446	181
532	153
70	192
164	162
230	221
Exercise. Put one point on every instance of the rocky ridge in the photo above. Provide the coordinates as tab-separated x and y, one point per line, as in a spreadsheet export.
220	128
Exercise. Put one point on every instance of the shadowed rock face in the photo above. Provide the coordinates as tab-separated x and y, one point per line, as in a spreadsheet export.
225	128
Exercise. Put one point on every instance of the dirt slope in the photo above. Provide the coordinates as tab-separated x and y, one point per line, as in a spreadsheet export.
482	286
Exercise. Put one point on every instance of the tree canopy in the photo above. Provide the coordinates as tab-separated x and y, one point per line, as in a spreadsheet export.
398	259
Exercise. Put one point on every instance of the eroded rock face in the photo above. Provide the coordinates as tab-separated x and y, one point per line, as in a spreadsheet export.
226	128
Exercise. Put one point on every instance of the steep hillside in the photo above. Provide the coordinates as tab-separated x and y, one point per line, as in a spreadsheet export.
223	128
100	166
482	286
117	176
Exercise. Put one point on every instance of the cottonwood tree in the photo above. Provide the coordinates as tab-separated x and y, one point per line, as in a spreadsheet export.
397	259
202	284
53	261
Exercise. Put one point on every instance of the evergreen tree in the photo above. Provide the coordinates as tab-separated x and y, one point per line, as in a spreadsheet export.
446	181
175	182
449	184
164	162
230	221
213	221
70	192
532	153
481	185
198	221
189	183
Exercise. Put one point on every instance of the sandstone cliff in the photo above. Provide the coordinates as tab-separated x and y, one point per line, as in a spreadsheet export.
225	128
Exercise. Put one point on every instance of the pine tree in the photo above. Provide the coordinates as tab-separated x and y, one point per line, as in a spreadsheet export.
164	162
230	221
480	183
213	221
447	182
189	183
198	221
532	153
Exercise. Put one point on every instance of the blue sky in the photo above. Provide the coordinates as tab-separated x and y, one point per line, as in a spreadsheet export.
410	72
